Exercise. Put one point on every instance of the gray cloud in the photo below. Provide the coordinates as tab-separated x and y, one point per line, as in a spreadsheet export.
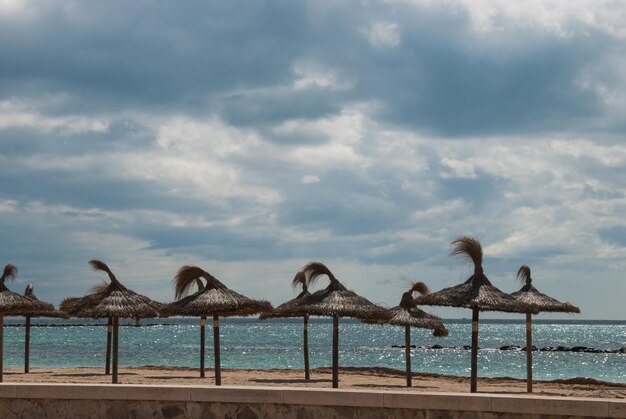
252	137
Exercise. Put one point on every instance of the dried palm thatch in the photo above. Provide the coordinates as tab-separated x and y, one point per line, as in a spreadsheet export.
476	293
293	308
47	311
112	301
336	301
407	314
13	304
212	299
79	306
120	302
529	295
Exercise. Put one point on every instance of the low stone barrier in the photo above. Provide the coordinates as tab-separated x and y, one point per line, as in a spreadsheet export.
151	401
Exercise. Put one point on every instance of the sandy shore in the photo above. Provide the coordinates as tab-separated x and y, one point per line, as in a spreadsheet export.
355	378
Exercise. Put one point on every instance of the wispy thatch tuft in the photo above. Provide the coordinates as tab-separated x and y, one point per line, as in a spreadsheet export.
188	276
10	272
99	288
314	270
467	247
419	287
530	295
299	279
98	265
28	292
523	275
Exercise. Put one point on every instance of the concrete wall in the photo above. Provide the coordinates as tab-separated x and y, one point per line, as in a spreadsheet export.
208	402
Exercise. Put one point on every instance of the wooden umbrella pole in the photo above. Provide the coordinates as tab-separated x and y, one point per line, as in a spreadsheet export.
307	374
216	350
335	351
202	342
115	353
474	373
27	345
529	353
107	367
407	351
1	346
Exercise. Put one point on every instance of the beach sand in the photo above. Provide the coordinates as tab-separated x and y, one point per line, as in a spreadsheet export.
349	378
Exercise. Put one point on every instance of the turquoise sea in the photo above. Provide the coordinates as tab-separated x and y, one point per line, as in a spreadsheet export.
251	343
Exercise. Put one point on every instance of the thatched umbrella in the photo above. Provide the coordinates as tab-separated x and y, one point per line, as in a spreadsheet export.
115	302
529	295
213	299
75	306
13	304
476	293
292	308
336	301
407	314
47	311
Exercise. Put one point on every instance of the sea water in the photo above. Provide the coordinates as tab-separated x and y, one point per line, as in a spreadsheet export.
253	344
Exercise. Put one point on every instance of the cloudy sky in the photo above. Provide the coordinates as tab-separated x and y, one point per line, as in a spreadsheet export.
250	137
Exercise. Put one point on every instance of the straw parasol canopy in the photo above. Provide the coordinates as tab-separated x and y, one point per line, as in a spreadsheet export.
48	310
212	299
13	304
74	306
336	301
476	293
530	295
112	301
407	314
45	309
293	308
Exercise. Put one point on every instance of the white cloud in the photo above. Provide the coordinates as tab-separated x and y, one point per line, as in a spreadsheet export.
311	75
561	17
611	155
309	179
383	34
458	168
8	205
16	115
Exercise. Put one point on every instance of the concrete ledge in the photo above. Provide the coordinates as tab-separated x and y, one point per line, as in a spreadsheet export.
617	409
330	397
438	401
551	406
254	395
277	396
